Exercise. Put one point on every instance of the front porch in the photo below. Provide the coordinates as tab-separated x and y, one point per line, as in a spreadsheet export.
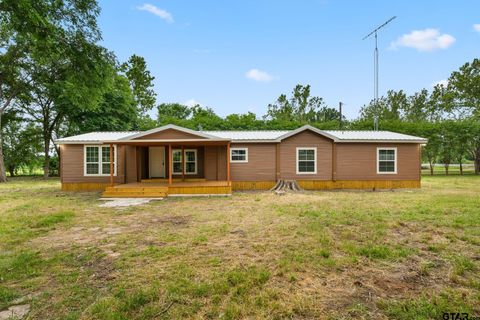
161	188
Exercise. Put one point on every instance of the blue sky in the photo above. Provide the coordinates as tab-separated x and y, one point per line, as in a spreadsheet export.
239	56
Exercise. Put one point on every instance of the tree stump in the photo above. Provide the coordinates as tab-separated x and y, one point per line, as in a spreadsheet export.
283	186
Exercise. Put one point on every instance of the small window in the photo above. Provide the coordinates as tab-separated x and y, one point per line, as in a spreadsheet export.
239	155
306	160
190	161
97	161
386	160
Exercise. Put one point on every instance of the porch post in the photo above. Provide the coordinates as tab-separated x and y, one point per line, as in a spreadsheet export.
170	164
183	163
111	164
228	163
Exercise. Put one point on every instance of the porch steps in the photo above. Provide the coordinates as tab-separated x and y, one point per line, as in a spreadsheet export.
164	180
135	192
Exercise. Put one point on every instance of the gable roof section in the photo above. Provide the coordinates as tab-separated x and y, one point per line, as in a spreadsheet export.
304	128
199	134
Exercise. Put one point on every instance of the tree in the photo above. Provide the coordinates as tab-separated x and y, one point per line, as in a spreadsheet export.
246	121
301	107
116	111
173	113
389	107
35	33
141	83
21	143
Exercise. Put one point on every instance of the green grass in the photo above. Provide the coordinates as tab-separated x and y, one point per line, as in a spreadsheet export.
406	254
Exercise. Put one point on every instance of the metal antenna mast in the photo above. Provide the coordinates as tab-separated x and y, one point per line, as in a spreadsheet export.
375	67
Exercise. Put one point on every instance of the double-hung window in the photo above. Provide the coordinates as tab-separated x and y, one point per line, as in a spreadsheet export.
239	155
386	160
97	161
190	161
306	160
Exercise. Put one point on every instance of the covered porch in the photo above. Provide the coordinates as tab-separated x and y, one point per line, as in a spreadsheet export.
160	169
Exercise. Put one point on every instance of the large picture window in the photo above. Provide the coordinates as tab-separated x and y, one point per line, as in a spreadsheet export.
97	161
386	160
239	155
190	161
306	160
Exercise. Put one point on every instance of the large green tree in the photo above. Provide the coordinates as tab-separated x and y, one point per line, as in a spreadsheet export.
48	58
301	108
141	83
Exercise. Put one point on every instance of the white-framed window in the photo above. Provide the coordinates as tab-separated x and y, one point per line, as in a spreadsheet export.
190	161
177	161
239	155
97	160
386	160
306	160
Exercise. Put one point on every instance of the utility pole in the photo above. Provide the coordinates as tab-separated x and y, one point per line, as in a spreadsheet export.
375	68
340	104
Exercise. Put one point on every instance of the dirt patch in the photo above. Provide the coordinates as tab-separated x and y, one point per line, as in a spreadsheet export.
173	220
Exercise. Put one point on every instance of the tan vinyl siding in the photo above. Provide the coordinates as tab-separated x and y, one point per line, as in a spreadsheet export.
131	162
288	156
260	165
215	159
358	161
169	134
73	170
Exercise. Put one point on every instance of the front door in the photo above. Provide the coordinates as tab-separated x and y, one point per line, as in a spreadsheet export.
156	160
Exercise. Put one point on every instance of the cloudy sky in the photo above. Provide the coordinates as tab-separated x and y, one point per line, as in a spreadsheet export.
239	56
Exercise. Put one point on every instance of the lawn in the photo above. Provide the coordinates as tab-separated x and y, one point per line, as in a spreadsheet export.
405	254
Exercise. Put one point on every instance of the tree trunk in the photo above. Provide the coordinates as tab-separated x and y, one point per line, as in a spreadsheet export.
46	150
446	168
11	169
477	161
461	167
431	167
3	175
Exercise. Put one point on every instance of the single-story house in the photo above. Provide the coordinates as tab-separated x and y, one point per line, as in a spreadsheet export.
174	160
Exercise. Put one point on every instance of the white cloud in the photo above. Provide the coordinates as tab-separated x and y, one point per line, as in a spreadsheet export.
165	15
442	83
258	75
424	40
476	27
192	103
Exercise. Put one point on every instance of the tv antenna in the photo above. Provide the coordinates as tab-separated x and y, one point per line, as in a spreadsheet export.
375	67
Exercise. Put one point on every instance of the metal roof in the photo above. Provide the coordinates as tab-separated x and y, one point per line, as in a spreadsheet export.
97	136
357	135
250	136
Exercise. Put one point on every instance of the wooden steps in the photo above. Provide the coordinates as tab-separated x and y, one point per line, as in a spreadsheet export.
135	192
164	180
160	190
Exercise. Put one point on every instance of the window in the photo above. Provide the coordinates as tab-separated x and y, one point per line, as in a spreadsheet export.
97	161
306	160
177	161
239	155
386	160
190	161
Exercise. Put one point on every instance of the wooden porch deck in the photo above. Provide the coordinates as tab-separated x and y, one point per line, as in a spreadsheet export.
161	189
